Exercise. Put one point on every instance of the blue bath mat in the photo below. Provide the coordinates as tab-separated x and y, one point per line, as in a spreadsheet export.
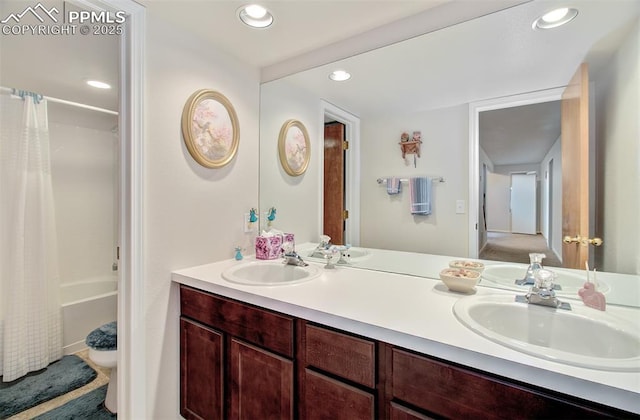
87	406
67	374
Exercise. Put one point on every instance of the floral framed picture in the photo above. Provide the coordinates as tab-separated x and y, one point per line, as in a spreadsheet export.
294	147
210	128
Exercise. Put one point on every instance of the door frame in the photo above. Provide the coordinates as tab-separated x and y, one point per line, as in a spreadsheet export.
352	170
475	108
131	332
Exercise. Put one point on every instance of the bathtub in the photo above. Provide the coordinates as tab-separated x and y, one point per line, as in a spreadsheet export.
86	305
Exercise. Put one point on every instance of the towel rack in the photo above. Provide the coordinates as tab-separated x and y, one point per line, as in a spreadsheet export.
384	180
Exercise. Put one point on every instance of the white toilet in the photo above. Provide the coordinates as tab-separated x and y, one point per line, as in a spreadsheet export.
103	352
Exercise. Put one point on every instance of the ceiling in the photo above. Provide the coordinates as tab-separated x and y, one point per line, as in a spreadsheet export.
300	26
494	56
519	135
56	66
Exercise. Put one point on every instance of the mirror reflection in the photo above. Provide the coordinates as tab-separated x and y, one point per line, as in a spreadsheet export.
484	96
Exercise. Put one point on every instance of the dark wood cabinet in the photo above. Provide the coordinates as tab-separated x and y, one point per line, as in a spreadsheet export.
344	355
240	361
337	374
261	384
328	398
399	412
201	371
442	389
236	360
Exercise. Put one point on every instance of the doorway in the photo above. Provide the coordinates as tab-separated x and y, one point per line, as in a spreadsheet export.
479	159
351	174
335	214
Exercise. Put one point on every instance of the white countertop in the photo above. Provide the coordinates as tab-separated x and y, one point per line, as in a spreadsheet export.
416	313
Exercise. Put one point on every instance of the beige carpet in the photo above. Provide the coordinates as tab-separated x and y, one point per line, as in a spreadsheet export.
515	247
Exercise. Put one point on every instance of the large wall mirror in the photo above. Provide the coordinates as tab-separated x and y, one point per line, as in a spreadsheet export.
485	96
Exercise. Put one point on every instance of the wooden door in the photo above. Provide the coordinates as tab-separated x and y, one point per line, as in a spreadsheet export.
575	168
334	182
201	371
261	384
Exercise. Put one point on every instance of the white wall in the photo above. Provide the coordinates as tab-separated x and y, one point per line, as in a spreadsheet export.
192	215
297	199
553	219
84	178
618	145
498	202
483	159
386	221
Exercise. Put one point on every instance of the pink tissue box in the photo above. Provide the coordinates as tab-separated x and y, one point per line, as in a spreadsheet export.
270	247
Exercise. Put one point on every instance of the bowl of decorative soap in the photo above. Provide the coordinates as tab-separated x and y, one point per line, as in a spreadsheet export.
460	279
467	265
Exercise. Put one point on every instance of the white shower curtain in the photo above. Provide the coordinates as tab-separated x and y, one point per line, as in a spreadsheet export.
30	310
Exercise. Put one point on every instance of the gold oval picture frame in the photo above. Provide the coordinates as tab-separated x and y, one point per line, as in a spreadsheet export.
210	128
294	148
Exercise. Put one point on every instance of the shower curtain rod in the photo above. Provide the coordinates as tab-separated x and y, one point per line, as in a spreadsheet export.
62	101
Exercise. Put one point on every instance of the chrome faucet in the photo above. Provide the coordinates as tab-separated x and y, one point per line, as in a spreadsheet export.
542	292
535	263
292	258
325	244
290	255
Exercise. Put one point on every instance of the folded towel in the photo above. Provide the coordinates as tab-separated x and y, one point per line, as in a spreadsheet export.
393	186
420	191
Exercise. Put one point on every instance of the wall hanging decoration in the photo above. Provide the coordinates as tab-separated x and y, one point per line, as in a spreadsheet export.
294	148
210	128
411	146
271	216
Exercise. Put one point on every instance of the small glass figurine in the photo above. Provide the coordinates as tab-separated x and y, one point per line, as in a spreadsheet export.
238	253
253	217
271	216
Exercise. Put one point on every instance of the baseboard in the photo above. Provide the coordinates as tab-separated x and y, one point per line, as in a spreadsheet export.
74	347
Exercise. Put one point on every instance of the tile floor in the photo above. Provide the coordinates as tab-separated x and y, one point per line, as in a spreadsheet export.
101	379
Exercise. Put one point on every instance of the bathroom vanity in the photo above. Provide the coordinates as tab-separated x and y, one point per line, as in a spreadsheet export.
364	344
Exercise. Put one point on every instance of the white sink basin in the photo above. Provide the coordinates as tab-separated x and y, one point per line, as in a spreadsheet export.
581	336
269	273
505	275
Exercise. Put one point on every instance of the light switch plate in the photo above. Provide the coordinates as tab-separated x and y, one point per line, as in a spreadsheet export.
460	206
248	226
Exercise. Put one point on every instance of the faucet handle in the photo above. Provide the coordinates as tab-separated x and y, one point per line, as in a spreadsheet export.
536	257
325	239
288	247
544	279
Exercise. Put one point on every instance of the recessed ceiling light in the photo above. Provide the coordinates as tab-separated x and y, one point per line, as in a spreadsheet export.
255	16
98	84
340	75
555	18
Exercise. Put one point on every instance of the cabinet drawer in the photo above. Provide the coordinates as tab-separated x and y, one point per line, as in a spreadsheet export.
349	357
327	398
399	412
452	391
257	326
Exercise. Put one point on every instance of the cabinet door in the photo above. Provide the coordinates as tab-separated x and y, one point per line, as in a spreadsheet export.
201	371
261	383
327	398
